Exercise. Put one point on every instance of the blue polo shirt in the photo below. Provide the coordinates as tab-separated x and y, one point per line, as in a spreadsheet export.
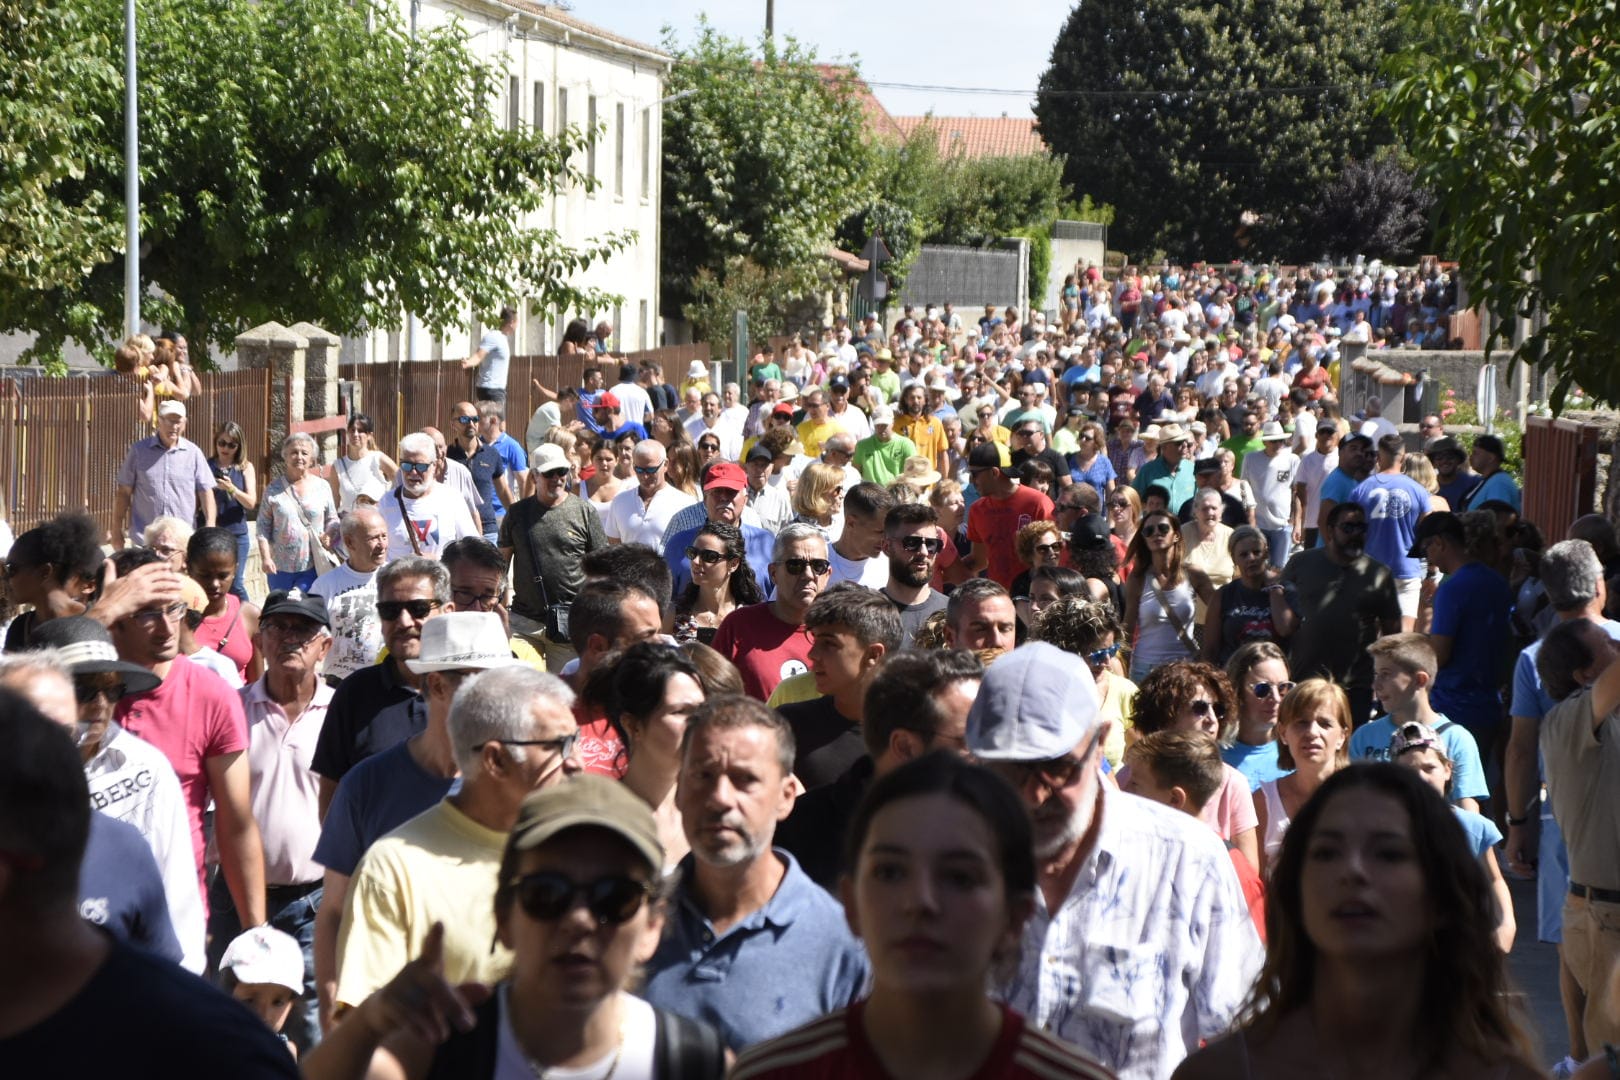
791	962
373	799
121	889
1472	607
757	545
1337	488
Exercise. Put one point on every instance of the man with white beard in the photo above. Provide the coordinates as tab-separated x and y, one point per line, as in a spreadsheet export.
1140	944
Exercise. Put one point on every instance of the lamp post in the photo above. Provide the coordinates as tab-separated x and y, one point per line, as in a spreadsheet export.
132	183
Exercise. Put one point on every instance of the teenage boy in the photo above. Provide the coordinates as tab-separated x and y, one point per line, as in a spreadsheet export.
1403	669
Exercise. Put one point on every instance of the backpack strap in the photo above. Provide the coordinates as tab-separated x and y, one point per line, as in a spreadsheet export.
686	1050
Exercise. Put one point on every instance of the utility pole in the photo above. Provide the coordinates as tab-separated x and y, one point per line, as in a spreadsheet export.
770	18
132	183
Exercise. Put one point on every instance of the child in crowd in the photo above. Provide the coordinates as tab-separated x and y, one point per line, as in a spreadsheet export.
263	968
1183	770
1418	747
1403	670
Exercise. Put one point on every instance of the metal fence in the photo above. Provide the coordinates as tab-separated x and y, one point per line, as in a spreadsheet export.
1560	473
62	440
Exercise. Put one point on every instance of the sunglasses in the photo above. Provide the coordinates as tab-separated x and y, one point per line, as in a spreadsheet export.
611	900
555	474
86	693
1055	548
228	445
1099	657
1264	690
389	610
930	544
1207	708
415	466
713	448
705	556
1056	773
1160	529
466	419
795	567
1352	527
648	470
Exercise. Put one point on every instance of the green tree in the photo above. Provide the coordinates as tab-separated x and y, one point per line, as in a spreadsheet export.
1512	110
907	184
765	155
1175	113
308	159
982	199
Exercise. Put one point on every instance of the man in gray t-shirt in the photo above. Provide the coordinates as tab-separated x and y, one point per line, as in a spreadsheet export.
491	359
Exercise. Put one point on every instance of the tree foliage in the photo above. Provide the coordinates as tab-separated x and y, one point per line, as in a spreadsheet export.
1512	110
765	156
906	186
1373	207
1184	116
306	159
981	199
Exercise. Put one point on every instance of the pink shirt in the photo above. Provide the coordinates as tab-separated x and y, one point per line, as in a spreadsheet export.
191	717
286	794
1232	810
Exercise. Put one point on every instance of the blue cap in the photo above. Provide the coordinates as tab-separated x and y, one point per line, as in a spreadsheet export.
1036	703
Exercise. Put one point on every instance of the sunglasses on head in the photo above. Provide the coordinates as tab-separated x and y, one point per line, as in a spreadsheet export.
611	900
930	544
389	610
795	567
1264	690
415	466
704	555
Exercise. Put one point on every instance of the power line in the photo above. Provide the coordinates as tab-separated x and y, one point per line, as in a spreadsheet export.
1225	91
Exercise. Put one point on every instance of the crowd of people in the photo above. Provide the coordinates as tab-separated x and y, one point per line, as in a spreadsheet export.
946	699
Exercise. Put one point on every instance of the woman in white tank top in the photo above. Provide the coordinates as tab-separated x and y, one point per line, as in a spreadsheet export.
1313	739
361	467
1161	595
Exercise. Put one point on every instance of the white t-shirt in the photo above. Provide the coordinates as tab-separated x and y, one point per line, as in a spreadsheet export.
632	1059
629	520
872	572
351	602
634	403
1313	470
439	518
1272	479
1376	428
219	664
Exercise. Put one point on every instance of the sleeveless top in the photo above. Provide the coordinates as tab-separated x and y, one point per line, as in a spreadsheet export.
230	514
227	634
1157	640
355	476
1276	820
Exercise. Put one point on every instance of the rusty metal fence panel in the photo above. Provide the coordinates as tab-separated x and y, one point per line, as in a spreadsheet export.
1560	473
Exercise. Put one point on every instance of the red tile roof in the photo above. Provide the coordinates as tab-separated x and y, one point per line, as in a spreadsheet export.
878	121
979	136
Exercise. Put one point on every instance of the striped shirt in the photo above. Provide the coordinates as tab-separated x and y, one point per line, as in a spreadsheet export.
835	1047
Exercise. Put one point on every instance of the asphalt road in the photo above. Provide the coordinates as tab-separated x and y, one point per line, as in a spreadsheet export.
1533	966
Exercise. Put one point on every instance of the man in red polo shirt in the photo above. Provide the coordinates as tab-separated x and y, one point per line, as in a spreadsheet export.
1004	506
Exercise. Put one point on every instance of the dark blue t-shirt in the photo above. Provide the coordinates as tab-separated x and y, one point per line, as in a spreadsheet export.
375	797
485	464
121	889
1472	608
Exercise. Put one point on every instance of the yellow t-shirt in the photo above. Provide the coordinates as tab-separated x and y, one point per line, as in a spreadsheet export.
440	866
1118	710
812	435
800	687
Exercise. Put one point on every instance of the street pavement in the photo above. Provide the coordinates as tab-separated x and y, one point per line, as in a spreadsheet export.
1533	966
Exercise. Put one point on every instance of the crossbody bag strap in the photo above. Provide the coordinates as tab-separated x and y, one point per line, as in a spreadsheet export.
405	520
1170	613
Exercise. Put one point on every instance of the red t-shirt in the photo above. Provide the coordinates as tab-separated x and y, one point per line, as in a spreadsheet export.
765	649
995	522
836	1048
1254	890
191	716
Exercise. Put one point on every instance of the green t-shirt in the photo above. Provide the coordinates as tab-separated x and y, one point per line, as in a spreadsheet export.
881	462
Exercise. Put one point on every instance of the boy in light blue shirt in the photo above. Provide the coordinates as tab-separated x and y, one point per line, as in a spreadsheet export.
1403	669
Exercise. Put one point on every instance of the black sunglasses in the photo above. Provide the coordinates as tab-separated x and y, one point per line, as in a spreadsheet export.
930	544
549	896
85	693
704	555
795	567
389	610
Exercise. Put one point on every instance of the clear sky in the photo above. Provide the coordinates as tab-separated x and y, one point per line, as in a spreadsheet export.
954	43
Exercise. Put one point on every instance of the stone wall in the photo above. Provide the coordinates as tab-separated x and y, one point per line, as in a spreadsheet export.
1458	370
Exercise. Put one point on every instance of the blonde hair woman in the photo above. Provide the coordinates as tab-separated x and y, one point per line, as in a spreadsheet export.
819	499
1313	740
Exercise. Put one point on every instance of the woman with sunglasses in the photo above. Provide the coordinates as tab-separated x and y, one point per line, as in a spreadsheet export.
1193	696
362	467
939	881
1379	952
1124	508
722	581
1313	742
228	625
1161	596
1091	631
1256	605
54	569
236	492
579	905
1089	464
1038	544
1259	676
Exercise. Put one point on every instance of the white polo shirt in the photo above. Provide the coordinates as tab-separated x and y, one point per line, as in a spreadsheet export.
630	520
286	793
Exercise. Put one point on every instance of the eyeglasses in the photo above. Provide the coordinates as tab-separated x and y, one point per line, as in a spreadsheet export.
86	692
1055	773
611	900
466	419
415	466
168	551
1054	548
389	610
930	544
704	555
163	614
713	448
558	474
466	598
1119	504
1160	529
817	567
227	444
1264	690
1206	708
1099	657
564	744
293	631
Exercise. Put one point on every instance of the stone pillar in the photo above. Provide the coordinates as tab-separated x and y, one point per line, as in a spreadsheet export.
320	382
282	351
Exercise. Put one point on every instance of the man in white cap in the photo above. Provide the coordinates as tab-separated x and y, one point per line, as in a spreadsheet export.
1270	473
390	788
165	475
511	731
881	456
1140	944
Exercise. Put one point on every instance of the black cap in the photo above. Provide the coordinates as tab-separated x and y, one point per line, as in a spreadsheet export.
1205	466
1441	523
987	455
1090	533
1491	444
296	602
759	452
837	382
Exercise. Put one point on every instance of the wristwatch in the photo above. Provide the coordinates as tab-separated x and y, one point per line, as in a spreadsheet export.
1517	822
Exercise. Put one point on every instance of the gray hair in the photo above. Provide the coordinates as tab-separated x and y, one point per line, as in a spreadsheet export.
650	449
1571	573
167	526
414	566
352	521
297	438
26	673
498	705
1206	495
841	443
791	534
418	443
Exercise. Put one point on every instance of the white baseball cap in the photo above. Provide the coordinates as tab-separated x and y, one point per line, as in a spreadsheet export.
265	955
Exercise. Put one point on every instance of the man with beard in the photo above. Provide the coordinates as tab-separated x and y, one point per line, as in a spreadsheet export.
744	913
1156	885
1356	460
1346	602
422	514
912	541
923	428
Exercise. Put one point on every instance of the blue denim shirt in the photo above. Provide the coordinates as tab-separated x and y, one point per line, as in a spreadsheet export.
788	963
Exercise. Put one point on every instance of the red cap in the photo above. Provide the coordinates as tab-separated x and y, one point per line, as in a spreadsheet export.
726	474
782	409
606	401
